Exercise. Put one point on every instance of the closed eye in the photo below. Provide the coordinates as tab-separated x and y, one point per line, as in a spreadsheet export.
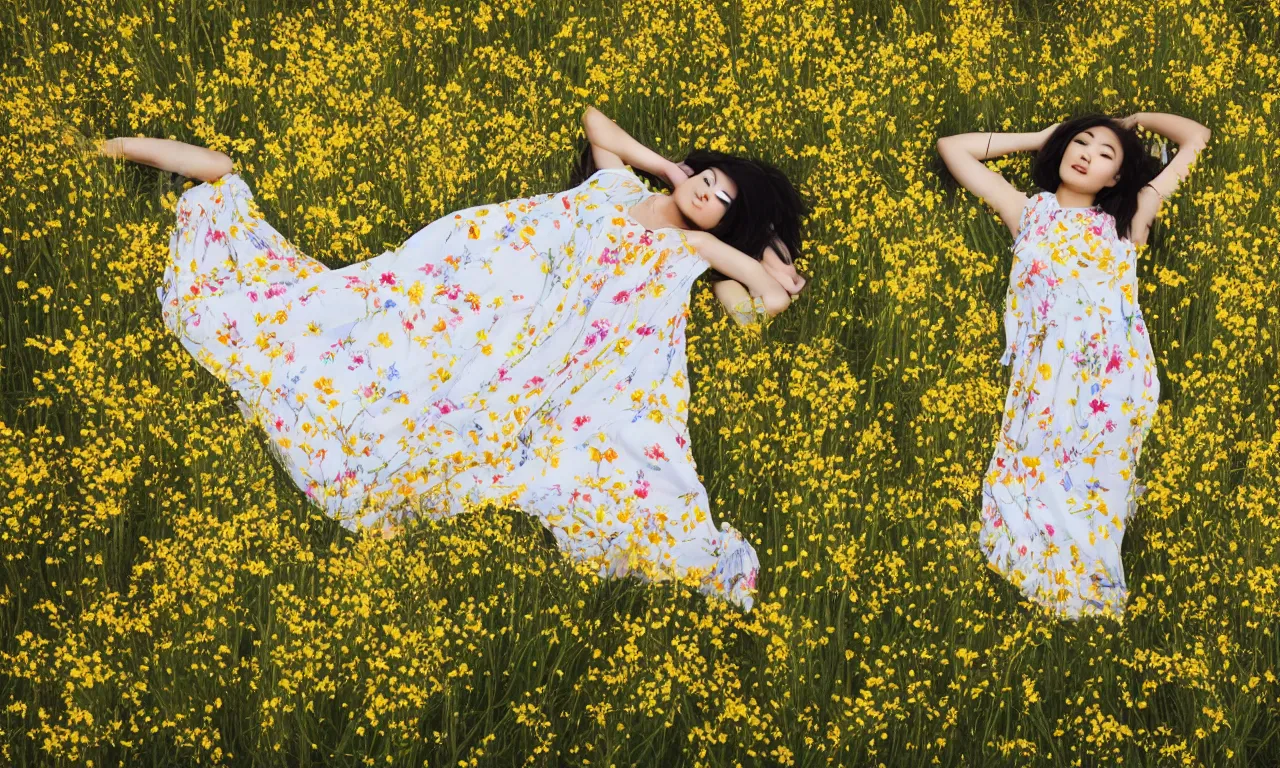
1104	154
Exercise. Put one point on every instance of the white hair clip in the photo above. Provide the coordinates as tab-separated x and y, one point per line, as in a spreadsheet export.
724	197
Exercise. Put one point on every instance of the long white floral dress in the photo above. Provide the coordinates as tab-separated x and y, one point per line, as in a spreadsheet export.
1060	487
528	353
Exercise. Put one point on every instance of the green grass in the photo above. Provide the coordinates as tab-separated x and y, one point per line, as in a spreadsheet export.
168	596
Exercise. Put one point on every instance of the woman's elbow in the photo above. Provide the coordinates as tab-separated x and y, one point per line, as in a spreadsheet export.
776	303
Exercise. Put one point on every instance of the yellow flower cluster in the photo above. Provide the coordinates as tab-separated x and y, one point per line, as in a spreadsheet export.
168	597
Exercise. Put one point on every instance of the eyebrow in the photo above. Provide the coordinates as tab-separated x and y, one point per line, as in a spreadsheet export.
1105	143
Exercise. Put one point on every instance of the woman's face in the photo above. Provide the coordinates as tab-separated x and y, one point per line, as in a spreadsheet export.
705	197
1092	160
780	270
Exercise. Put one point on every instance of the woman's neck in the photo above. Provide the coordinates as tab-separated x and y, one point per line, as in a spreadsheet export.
658	212
1069	198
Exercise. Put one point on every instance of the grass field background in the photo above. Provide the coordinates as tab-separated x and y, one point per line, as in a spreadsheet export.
169	598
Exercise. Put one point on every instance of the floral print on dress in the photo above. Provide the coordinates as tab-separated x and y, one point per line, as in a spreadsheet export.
1060	487
528	353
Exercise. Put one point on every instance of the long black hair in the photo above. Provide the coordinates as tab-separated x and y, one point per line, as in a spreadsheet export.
1136	167
767	205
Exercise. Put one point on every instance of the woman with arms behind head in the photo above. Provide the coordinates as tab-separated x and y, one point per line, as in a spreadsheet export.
1060	490
762	220
526	353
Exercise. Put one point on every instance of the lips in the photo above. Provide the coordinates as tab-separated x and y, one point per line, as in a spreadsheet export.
1080	168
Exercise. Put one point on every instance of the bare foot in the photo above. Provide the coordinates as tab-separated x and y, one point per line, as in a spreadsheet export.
72	137
390	529
111	147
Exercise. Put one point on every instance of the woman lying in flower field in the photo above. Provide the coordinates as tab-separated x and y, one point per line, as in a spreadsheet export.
526	353
1060	489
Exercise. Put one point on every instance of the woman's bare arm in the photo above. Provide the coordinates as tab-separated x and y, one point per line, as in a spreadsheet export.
964	154
1191	137
737	302
735	264
613	147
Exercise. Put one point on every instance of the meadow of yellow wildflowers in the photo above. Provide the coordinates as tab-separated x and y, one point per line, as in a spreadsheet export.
170	598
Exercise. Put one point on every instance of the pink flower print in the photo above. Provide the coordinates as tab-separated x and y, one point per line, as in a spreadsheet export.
1048	529
641	489
214	236
388	278
621	296
1114	363
750	581
253	295
1110	426
644	330
1022	550
535	381
655	452
279	424
367	390
647	238
999	522
1098	406
620	386
590	341
1096	229
407	323
502	374
579	422
680	441
453	292
427	269
444	407
276	289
